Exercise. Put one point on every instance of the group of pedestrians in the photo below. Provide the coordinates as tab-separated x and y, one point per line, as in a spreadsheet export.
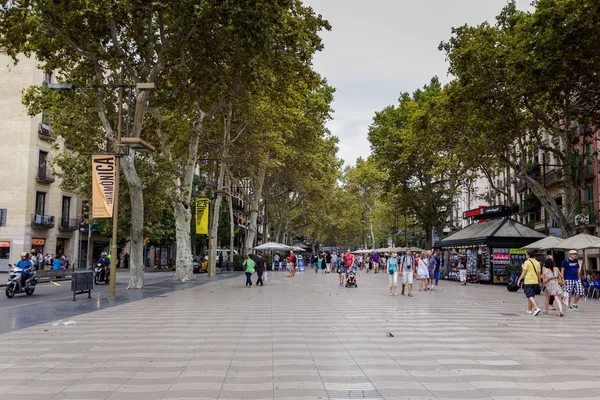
49	261
256	264
556	282
424	267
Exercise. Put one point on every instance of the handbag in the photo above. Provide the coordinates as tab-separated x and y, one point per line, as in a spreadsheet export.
561	280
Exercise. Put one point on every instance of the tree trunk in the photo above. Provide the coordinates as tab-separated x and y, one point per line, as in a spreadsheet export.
185	268
216	211
231	230
136	196
254	204
183	214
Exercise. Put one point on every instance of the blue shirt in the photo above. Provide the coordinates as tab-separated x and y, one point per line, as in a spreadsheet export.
571	268
393	267
432	263
24	264
57	264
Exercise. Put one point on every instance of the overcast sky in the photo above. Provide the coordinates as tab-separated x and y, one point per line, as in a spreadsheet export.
378	49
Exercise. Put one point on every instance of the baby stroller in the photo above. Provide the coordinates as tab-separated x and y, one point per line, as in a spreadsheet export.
351	279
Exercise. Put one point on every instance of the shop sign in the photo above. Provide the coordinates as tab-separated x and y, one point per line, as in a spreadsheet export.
38	242
492	210
518	251
103	185
472	213
4	244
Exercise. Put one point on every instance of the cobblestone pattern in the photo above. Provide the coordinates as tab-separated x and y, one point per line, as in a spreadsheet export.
308	338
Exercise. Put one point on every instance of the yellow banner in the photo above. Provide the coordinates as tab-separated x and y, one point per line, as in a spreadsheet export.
202	216
103	185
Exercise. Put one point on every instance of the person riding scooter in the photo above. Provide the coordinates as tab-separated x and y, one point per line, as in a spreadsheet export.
26	265
105	261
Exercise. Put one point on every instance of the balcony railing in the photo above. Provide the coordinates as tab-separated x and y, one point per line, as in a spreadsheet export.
520	185
45	132
44	175
553	177
69	224
42	221
530	204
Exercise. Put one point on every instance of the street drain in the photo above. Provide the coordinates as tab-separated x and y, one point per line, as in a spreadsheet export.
509	314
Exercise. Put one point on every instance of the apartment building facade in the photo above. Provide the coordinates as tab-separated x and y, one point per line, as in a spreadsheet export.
35	213
544	168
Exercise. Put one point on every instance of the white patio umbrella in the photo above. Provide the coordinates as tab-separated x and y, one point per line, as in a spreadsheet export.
576	242
540	244
273	246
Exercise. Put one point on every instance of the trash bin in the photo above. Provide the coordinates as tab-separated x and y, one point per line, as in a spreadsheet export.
82	282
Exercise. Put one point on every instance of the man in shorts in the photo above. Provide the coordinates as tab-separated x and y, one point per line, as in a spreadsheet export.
432	268
570	272
406	271
292	261
375	259
531	276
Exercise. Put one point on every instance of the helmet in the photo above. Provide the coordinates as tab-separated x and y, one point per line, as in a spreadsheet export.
24	254
103	254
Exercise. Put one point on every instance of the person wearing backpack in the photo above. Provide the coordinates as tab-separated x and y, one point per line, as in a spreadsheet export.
249	270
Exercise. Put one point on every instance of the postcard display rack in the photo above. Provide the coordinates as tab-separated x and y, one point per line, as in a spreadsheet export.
501	258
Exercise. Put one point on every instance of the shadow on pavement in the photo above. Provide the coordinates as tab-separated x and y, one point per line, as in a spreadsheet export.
20	316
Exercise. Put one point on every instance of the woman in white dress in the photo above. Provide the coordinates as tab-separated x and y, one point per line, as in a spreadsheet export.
423	271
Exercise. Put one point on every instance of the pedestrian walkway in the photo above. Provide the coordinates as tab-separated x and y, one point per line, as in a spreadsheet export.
308	338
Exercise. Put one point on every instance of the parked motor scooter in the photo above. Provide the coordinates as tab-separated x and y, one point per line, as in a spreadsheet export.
15	286
101	273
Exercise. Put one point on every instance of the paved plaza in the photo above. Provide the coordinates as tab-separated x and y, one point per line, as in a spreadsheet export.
308	338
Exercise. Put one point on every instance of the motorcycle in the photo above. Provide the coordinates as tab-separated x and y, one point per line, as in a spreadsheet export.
101	273
14	285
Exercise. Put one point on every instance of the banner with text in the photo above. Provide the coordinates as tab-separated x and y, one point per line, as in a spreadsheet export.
103	185
202	216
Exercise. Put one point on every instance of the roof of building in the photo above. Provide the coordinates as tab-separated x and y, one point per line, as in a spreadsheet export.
503	232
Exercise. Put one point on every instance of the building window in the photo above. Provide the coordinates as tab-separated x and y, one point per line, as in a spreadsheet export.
47	77
66	208
40	203
43	163
2	216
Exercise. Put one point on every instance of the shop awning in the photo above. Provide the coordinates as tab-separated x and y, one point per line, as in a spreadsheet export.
504	232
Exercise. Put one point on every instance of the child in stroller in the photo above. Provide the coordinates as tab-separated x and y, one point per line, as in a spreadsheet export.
351	277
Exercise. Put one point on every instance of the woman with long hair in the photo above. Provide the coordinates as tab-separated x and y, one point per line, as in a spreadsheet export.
550	276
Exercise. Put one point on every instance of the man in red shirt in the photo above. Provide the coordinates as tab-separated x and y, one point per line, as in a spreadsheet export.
292	259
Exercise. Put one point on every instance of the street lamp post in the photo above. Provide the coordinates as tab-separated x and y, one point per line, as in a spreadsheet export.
137	144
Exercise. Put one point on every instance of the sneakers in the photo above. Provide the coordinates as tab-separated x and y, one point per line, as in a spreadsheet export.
529	312
570	308
552	307
536	312
575	307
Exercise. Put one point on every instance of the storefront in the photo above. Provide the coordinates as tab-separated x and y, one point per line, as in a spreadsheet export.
4	255
487	248
38	244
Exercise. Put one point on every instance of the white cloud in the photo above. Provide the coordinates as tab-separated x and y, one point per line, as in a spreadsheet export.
380	48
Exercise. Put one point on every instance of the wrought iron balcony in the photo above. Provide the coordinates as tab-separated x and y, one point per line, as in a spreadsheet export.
553	177
45	132
530	205
520	185
42	221
44	175
69	224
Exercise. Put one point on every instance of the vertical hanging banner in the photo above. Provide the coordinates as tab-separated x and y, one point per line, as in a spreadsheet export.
202	216
103	185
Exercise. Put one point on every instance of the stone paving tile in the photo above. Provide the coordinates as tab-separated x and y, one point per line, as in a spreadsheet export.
307	338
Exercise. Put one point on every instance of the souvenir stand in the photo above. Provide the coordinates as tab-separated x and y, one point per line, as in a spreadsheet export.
488	246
